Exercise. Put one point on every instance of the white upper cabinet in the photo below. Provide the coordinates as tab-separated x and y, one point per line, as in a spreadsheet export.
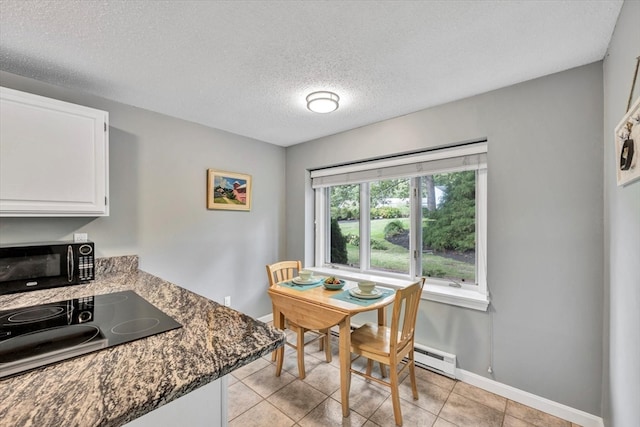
53	157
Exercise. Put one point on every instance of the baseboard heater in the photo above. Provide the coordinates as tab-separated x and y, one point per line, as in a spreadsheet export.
435	360
431	359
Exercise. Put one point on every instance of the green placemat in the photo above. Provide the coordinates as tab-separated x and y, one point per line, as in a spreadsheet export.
292	285
347	297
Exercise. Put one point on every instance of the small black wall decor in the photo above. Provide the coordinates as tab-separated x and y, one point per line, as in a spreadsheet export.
627	145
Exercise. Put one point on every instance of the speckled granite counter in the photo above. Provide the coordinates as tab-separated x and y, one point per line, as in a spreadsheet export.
116	385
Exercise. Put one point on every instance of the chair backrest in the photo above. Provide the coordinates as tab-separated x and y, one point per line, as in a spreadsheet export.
405	311
283	270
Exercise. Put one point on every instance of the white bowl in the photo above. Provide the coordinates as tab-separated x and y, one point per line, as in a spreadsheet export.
366	287
305	275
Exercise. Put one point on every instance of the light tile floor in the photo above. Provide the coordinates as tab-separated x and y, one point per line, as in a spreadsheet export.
258	398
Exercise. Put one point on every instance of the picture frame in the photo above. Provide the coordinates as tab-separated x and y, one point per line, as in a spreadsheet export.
228	190
627	146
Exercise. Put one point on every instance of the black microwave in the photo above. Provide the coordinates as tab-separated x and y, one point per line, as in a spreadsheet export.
33	266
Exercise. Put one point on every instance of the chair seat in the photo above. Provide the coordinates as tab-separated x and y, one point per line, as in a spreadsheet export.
371	338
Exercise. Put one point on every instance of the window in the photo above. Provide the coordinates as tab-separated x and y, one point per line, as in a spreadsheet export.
407	216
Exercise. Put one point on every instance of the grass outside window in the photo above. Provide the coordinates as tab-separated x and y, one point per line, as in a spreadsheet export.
395	257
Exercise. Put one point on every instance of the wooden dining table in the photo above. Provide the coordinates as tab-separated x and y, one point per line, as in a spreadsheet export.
316	308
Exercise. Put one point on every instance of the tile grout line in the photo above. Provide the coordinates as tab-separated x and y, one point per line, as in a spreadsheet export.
308	384
450	392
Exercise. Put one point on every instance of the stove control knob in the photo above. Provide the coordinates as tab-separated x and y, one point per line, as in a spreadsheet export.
84	316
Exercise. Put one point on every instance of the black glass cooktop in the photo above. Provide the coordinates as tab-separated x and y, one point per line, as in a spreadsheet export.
38	335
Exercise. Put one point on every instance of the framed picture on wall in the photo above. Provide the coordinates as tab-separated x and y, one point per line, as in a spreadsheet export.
228	190
627	145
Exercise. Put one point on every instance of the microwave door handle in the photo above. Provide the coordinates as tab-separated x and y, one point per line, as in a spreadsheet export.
69	263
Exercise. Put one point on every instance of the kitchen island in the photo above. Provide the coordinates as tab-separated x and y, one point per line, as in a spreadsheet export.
116	385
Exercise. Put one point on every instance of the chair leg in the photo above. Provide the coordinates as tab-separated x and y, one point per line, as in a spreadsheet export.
383	370
412	375
327	345
279	353
300	351
273	355
395	393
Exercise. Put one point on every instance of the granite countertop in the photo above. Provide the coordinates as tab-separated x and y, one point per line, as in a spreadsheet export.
118	384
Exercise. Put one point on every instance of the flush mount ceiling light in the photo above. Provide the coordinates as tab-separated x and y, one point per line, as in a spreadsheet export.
322	102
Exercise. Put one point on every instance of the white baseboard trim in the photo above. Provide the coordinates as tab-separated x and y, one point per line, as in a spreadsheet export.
576	416
540	403
266	318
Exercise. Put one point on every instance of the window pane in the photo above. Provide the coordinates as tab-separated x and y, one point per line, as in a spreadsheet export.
344	202
389	225
449	226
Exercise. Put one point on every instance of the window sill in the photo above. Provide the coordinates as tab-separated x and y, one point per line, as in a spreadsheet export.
456	296
439	293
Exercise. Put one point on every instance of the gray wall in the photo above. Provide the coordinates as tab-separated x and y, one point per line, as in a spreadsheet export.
158	187
622	235
546	258
545	242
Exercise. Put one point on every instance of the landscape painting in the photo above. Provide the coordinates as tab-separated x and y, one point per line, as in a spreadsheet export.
228	190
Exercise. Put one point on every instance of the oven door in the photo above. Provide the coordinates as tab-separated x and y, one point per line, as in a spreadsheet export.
25	268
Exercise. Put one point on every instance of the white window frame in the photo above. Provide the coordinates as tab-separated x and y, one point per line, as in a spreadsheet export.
474	296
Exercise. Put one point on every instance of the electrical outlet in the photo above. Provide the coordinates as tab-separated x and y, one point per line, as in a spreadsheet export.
80	237
227	301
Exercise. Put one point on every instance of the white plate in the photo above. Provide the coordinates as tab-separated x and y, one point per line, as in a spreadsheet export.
299	281
358	294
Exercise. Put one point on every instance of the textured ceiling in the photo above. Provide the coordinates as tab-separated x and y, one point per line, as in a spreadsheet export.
246	66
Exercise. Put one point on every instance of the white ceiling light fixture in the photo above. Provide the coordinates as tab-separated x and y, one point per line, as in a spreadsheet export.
322	102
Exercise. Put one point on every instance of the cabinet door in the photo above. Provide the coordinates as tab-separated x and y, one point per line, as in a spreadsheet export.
53	157
203	407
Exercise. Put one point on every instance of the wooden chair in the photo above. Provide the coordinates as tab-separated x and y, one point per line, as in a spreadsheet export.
285	271
390	345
